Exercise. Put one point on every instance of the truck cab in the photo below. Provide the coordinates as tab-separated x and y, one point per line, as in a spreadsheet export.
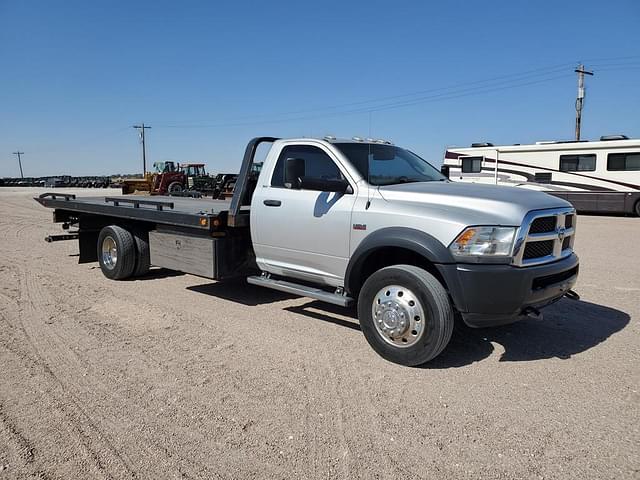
335	212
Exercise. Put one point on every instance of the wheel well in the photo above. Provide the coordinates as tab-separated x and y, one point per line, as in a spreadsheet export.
386	257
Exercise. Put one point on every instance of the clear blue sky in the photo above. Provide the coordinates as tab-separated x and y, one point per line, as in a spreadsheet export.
207	76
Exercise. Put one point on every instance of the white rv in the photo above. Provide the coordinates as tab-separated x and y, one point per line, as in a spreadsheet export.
602	176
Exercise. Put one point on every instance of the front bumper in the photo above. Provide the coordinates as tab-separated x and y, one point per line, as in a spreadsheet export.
490	295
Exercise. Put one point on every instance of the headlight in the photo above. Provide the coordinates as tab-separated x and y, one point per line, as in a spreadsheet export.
480	243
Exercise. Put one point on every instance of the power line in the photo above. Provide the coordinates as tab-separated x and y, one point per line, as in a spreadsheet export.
19	153
494	81
452	91
614	69
608	59
609	65
388	106
498	80
460	93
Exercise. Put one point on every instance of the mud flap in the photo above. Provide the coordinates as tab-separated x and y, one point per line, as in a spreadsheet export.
88	243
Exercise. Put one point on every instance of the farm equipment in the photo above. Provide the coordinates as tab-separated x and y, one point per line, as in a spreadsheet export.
168	179
185	180
165	179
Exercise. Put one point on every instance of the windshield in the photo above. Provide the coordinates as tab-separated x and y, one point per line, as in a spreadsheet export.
388	164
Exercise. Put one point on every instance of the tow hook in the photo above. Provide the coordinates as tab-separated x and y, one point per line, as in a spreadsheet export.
570	294
532	313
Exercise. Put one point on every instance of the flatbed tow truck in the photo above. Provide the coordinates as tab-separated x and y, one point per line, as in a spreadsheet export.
348	222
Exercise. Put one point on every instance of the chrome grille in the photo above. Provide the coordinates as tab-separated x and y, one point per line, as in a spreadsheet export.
543	225
537	249
568	221
545	236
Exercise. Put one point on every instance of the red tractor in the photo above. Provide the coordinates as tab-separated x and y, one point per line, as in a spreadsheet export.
168	179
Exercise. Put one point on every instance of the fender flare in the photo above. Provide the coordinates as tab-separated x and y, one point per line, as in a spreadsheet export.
411	239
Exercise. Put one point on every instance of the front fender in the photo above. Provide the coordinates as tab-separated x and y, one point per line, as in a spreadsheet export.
411	239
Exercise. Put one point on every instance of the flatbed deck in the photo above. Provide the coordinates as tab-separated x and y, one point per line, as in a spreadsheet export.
185	212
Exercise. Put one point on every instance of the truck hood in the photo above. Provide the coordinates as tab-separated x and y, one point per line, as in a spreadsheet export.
473	204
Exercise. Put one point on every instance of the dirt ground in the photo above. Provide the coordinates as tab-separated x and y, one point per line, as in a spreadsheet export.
174	376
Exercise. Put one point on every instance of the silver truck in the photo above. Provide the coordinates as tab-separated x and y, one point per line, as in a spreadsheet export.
349	222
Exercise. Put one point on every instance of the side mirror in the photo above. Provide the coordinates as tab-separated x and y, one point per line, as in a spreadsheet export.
325	185
444	170
294	170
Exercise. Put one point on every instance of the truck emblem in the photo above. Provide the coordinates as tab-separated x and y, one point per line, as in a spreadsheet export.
359	226
561	232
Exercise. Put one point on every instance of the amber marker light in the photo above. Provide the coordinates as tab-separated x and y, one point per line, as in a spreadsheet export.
467	235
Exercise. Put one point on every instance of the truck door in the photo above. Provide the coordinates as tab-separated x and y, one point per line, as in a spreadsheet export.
302	233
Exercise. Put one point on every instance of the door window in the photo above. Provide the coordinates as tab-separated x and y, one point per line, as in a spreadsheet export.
317	164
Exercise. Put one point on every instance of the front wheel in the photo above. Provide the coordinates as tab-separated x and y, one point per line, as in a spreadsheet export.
405	314
174	187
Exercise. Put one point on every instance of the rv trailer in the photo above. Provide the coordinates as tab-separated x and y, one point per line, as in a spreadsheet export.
595	176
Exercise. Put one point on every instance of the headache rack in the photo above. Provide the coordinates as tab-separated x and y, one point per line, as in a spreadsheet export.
545	236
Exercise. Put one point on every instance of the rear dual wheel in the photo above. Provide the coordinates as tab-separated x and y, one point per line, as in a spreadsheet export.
143	258
122	253
405	314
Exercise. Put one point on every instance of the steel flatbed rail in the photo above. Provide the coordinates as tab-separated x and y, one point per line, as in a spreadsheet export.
183	212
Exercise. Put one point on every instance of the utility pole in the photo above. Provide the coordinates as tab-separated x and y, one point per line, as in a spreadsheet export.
580	100
18	153
142	127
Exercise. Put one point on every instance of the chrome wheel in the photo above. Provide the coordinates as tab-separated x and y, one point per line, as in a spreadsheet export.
109	253
398	316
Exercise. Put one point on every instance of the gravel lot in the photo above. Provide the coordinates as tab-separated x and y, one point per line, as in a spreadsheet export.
174	376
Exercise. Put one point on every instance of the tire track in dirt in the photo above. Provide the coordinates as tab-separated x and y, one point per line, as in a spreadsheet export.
79	421
23	446
35	305
65	358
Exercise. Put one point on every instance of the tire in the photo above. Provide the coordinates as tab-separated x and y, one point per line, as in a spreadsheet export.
174	187
116	252
414	319
143	259
637	208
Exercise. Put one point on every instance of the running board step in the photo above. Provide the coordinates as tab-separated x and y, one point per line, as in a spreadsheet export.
302	290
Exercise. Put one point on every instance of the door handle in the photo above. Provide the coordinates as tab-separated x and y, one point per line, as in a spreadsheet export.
272	203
